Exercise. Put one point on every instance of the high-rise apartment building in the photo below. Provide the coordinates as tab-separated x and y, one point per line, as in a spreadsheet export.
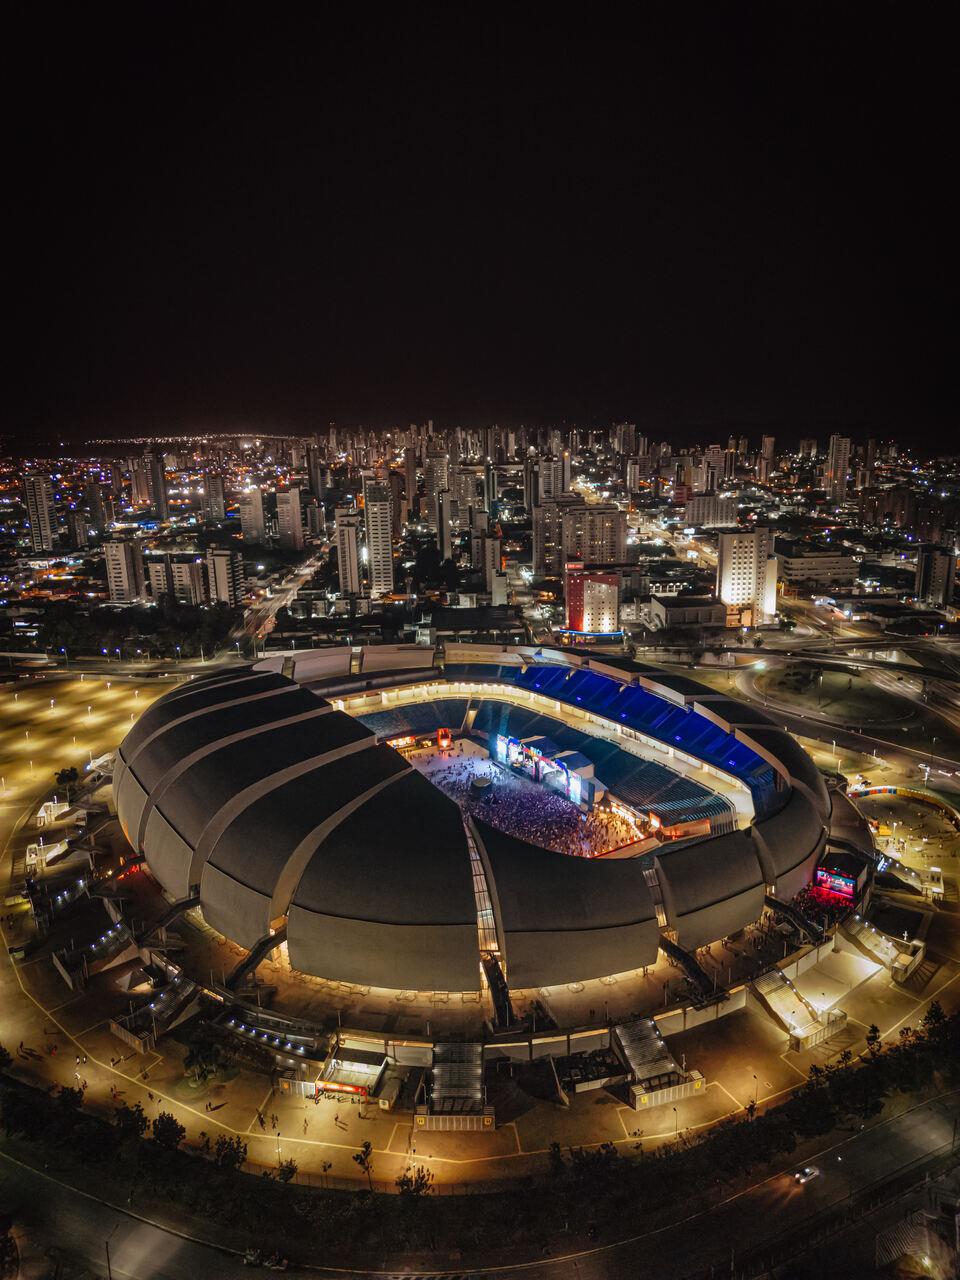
836	468
93	496
225	576
124	563
711	470
38	496
252	523
410	480
446	515
491	553
436	479
595	534
156	473
766	459
139	482
188	579
315	472
290	520
78	530
554	476
214	506
377	518
548	556
747	573
348	550
395	484
936	572
489	485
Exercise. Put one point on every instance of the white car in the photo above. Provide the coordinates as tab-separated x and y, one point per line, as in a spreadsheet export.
806	1174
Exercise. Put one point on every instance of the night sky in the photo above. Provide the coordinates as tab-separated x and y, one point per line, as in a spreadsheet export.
721	216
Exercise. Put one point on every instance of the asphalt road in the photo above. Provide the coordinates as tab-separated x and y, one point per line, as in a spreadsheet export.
78	1225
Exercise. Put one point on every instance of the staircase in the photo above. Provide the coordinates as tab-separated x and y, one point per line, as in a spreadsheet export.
704	984
786	1005
269	942
810	930
499	991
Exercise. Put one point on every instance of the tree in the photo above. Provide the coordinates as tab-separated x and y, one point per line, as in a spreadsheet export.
94	1141
6	1062
873	1039
286	1171
68	779
230	1153
131	1121
363	1159
414	1183
168	1132
426	565
283	620
203	1057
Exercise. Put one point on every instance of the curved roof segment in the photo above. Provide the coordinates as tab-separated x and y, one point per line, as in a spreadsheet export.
254	791
561	919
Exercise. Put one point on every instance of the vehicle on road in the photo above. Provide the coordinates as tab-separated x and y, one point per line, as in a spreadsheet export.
806	1174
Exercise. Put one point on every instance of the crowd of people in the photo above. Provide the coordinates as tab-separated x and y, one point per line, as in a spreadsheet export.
524	808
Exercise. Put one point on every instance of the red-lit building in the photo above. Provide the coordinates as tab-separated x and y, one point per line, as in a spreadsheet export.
592	599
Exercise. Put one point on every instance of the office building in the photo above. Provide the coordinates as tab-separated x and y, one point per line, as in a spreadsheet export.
290	520
124	563
936	571
251	515
816	569
836	468
38	496
592	600
348	550
377	518
708	511
747	574
225	576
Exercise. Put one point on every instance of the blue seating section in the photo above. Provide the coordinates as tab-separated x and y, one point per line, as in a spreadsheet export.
644	784
644	712
419	717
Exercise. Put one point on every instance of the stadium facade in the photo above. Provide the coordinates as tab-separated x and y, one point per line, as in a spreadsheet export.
270	797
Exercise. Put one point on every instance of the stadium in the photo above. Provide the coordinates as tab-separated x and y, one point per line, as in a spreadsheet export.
473	823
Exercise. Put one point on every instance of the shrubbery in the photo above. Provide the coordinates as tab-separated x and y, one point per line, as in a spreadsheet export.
586	1191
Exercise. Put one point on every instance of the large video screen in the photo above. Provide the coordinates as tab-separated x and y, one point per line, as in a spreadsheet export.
538	767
